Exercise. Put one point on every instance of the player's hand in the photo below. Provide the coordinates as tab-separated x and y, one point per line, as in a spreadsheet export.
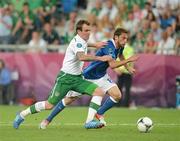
131	70
133	58
100	44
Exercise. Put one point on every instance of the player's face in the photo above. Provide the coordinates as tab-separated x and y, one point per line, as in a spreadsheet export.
85	32
122	40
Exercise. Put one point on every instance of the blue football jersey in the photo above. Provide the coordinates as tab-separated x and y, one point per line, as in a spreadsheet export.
97	69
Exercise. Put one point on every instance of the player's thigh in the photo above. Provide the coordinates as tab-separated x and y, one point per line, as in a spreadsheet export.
105	83
62	86
85	87
57	93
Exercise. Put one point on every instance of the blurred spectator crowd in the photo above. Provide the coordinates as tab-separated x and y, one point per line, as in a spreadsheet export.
154	25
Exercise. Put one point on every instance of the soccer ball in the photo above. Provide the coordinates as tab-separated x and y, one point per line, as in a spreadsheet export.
144	124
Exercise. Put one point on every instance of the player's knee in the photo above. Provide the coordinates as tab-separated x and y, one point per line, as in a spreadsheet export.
98	92
48	105
119	97
116	97
69	100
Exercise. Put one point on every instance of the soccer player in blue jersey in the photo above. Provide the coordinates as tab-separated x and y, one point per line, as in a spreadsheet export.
96	72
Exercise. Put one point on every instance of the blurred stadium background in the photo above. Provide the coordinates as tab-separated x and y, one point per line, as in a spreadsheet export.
34	35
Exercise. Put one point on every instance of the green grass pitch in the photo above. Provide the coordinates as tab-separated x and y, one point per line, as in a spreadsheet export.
68	126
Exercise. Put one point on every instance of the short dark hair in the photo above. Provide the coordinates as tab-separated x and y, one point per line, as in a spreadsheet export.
25	4
148	3
119	31
80	23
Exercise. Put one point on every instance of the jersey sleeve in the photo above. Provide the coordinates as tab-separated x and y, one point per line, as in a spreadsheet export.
105	50
79	47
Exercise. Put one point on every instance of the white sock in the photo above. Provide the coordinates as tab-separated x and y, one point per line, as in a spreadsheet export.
92	111
39	106
91	114
97	100
26	112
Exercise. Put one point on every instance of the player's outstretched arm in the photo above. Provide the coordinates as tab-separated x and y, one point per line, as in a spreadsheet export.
115	64
87	57
97	45
131	69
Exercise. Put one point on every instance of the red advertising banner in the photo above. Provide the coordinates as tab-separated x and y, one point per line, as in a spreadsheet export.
153	85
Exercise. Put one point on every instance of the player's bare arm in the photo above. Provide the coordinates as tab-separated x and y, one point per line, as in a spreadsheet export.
115	64
129	68
97	45
87	57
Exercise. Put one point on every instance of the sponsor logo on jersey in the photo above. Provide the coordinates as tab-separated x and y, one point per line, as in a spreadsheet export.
110	51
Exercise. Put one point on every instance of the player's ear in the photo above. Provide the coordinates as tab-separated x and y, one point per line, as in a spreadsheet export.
116	37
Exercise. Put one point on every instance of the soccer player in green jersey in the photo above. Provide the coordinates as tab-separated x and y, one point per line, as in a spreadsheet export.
70	78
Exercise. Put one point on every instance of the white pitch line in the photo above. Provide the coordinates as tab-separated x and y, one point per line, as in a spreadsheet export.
81	124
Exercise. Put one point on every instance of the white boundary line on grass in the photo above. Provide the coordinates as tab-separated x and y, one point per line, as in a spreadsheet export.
81	124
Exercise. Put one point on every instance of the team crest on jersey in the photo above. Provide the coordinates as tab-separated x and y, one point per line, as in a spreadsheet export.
79	45
57	94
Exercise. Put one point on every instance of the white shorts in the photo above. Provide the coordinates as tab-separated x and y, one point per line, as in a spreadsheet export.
105	83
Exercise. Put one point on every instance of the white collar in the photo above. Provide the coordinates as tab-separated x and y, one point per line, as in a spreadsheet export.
112	40
81	39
